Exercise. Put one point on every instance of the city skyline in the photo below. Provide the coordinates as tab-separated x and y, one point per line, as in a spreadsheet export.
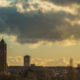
47	30
19	61
4	64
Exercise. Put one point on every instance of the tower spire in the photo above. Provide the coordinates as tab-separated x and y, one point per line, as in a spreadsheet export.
2	41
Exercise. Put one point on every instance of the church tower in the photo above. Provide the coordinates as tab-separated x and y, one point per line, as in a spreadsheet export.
3	56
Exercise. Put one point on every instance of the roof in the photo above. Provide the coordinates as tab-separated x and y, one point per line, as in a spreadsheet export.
26	56
2	41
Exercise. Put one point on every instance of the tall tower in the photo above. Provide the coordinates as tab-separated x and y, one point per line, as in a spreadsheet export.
3	56
27	60
71	62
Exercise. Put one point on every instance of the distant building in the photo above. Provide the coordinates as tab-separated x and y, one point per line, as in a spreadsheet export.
20	69
3	56
71	62
27	60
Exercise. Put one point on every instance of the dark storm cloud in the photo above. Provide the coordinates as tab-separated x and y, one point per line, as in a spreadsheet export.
35	25
64	2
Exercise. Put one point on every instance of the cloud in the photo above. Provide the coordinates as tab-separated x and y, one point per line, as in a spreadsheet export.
77	21
35	45
39	21
4	3
15	61
58	62
64	2
18	60
43	7
51	62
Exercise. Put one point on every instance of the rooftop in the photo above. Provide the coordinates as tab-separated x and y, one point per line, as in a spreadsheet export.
2	41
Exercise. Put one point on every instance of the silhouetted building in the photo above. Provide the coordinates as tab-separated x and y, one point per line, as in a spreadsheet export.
71	62
59	71
17	69
3	56
27	60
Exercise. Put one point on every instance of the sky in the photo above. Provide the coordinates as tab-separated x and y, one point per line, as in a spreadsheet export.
47	30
